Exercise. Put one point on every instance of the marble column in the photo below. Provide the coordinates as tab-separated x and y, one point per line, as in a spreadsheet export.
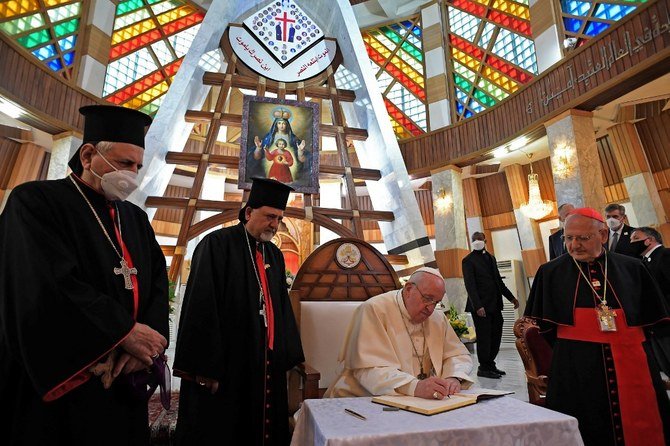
532	251
451	239
94	46
64	146
439	113
575	163
636	174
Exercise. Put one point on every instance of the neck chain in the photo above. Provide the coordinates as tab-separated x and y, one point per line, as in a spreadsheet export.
124	270
421	359
261	298
603	300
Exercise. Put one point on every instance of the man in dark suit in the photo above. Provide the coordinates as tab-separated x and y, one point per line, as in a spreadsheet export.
648	244
556	245
619	231
485	288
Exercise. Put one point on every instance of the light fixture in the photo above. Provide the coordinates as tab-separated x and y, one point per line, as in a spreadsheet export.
443	201
535	208
561	161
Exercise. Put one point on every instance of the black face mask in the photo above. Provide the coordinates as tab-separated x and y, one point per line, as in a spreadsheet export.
638	247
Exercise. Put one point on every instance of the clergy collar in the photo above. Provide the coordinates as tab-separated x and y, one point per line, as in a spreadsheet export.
647	255
401	305
599	259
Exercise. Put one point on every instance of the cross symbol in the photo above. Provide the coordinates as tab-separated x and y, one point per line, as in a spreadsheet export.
126	272
285	21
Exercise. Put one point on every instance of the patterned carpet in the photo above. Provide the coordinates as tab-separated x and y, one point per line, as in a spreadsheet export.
162	422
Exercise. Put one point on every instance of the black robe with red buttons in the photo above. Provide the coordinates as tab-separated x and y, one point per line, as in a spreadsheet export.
579	381
222	336
62	308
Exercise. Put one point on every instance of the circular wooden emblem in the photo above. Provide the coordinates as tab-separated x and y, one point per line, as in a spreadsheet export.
348	255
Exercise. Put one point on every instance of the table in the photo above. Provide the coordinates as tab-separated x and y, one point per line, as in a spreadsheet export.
496	422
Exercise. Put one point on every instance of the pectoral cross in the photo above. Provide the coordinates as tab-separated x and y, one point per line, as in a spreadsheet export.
262	310
126	272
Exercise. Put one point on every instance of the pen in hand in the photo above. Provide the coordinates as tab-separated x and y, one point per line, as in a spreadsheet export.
355	414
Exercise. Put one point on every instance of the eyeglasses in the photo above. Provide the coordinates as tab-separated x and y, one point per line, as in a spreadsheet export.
579	238
427	300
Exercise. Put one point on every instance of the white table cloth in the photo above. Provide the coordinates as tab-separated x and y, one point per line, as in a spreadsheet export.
496	422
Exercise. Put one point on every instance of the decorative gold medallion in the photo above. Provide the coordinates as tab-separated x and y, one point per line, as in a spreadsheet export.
606	317
348	255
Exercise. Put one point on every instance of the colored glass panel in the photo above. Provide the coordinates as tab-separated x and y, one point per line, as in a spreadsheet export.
149	40
35	25
594	16
463	24
397	56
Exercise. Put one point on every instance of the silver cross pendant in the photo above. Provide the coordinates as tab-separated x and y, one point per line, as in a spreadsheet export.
125	272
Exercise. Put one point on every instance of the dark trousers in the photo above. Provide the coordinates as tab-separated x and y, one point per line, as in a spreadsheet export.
489	335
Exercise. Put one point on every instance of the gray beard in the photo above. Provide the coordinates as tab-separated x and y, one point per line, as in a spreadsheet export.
267	236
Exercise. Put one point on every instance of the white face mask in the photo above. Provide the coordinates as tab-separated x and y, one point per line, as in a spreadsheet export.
118	184
478	245
613	223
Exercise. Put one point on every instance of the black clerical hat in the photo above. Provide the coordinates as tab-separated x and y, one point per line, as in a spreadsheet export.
266	192
113	124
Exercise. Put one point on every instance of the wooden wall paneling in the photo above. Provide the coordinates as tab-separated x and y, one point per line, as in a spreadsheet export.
498	221
471	198
9	152
28	165
449	262
627	149
610	168
494	197
654	135
517	184
532	259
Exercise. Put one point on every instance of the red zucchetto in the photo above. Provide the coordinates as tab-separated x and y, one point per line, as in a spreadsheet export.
587	212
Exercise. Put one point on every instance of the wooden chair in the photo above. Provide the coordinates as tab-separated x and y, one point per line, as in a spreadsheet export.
330	285
535	353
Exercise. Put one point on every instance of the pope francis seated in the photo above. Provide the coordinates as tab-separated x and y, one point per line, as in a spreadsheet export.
397	344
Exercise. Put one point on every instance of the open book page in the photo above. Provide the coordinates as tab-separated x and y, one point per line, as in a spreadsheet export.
431	407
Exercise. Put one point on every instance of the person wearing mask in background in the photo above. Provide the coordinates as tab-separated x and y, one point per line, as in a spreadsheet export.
648	244
619	232
556	245
485	289
83	293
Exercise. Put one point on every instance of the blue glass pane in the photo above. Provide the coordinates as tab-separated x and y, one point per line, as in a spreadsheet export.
67	43
45	52
572	25
612	12
468	114
417	31
595	28
55	65
459	107
406	23
574	7
475	106
68	58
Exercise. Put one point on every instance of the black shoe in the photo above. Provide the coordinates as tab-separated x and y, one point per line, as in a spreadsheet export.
499	372
488	374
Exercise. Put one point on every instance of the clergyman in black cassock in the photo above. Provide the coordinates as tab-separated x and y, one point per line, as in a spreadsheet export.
556	245
236	343
63	309
605	378
485	289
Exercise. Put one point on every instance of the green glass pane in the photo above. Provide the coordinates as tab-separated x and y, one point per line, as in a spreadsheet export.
462	83
129	6
23	24
484	99
34	39
411	49
66	28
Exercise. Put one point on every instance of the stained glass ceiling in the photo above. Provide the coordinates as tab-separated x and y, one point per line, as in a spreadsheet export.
45	28
584	20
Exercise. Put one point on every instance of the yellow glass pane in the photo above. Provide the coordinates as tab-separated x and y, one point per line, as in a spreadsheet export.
408	70
512	8
148	96
13	8
466	60
500	80
55	2
132	31
175	14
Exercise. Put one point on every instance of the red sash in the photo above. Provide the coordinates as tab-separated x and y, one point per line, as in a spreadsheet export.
269	314
640	417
